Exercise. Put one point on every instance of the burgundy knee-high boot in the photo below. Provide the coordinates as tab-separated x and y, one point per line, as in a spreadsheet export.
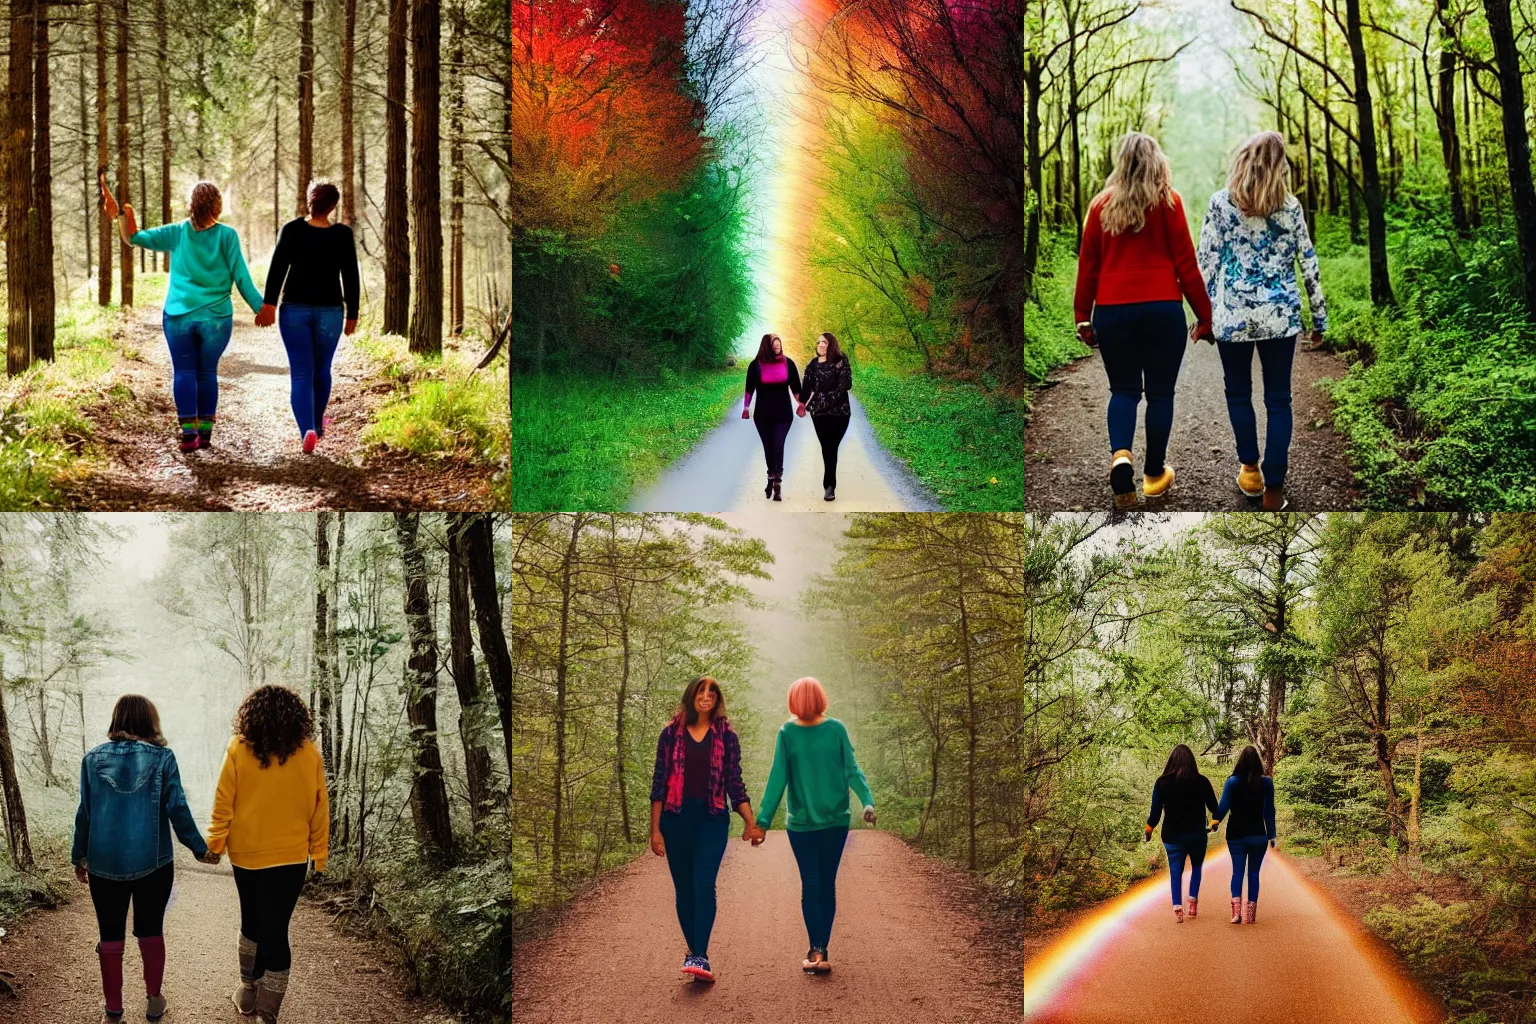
152	951
111	956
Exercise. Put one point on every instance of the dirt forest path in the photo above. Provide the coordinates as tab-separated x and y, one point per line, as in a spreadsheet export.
899	937
335	979
1305	960
255	463
1066	445
725	472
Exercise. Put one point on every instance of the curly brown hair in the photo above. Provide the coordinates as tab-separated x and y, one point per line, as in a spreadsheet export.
205	203
321	197
275	721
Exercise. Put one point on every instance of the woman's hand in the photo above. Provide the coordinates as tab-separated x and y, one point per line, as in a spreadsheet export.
209	857
267	315
753	833
82	873
746	412
658	844
108	202
1201	330
800	410
1085	334
349	327
1146	836
762	834
1316	338
869	815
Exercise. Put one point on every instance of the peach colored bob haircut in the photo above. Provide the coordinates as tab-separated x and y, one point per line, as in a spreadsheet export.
806	699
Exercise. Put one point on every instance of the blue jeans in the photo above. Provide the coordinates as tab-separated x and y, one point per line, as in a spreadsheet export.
1275	355
1142	344
695	842
310	334
1249	849
818	854
1180	847
196	342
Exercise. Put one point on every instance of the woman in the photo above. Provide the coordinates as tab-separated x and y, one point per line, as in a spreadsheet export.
1254	233
1180	797
772	375
314	269
198	317
272	814
828	379
1136	261
696	780
130	798
1250	795
813	759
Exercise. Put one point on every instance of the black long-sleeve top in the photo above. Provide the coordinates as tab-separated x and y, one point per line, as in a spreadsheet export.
314	267
773	398
830	383
1181	803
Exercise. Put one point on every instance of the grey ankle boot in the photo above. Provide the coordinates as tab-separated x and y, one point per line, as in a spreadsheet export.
269	995
245	996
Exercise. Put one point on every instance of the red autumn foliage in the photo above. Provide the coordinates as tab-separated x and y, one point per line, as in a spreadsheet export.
600	108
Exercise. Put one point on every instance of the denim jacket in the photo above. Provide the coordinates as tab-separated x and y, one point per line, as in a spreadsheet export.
130	796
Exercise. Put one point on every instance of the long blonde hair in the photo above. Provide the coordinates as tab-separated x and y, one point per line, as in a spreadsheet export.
1257	182
1140	179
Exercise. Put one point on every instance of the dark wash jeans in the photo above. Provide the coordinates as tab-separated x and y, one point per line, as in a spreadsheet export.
1275	357
1179	848
818	854
695	841
196	342
1142	344
310	334
1247	854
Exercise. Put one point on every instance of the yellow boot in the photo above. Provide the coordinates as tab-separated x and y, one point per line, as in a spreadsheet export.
1250	481
1122	479
1153	486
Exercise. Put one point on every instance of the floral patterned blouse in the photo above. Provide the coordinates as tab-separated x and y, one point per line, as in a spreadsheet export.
831	383
1249	266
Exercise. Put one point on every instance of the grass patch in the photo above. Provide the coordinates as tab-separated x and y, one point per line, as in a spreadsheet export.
1050	331
965	443
587	443
44	435
441	407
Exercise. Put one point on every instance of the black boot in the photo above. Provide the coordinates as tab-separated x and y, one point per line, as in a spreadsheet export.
829	496
776	495
768	487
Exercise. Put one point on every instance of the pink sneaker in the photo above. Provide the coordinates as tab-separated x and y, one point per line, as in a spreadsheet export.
1178	913
310	438
1192	902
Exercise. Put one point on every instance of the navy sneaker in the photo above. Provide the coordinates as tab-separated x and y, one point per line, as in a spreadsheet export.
698	966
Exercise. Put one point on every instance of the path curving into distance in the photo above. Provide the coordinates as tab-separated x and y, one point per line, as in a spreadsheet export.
725	472
614	958
1305	961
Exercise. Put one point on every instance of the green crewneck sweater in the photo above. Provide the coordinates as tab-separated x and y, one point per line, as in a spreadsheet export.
816	764
204	265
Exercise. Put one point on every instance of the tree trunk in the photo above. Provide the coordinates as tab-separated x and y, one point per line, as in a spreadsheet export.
348	60
456	163
15	810
105	227
429	796
86	191
1032	78
330	635
125	254
41	218
970	730
306	103
1517	143
18	159
163	105
562	665
426	325
322	653
461	660
1370	179
493	638
397	256
1445	121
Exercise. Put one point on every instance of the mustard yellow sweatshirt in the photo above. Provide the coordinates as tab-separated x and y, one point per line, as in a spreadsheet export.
265	817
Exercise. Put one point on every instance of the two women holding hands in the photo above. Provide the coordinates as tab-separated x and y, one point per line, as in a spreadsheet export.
697	777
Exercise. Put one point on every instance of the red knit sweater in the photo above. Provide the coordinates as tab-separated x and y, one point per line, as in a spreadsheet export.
1154	264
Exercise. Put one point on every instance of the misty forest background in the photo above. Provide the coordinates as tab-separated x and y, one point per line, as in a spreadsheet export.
393	627
404	104
639	228
1408	126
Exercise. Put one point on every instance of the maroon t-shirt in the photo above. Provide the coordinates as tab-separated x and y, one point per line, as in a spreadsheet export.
696	768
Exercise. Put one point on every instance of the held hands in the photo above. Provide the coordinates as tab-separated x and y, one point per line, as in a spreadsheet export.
209	857
658	845
754	833
1201	330
267	316
869	815
800	409
1316	337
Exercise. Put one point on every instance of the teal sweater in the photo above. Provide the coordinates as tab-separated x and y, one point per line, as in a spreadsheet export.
816	764
204	264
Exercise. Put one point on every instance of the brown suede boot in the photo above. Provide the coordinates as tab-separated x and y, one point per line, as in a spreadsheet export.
245	996
269	995
1274	499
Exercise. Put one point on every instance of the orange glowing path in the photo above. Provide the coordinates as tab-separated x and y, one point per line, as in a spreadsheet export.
787	176
1306	961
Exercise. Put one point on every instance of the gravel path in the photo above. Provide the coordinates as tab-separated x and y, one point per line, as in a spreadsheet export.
1066	445
901	923
336	979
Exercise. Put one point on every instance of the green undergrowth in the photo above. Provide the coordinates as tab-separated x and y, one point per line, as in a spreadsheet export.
1050	334
441	406
1439	405
586	443
45	437
964	442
